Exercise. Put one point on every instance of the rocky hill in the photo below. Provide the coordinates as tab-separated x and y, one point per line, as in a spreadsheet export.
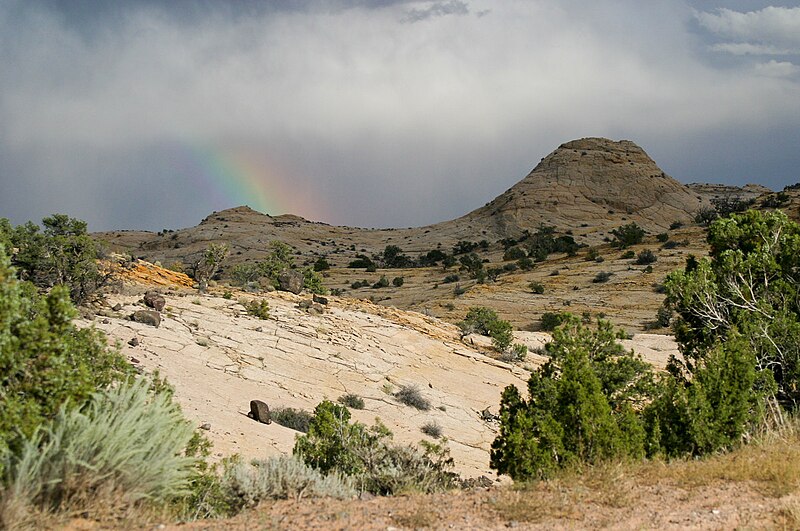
591	185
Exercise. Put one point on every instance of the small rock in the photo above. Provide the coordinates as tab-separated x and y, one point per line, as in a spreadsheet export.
304	304
316	309
205	426
148	317
134	342
319	299
154	300
259	411
117	307
105	321
134	360
366	496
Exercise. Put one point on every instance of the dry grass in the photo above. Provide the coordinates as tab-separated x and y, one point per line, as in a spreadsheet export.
415	518
770	464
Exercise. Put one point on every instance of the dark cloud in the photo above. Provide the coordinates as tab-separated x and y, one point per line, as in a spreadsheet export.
341	113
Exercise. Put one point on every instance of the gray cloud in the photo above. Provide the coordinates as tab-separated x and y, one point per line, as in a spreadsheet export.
437	9
143	118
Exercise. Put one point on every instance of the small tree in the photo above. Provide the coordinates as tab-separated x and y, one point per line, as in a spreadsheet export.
627	235
208	265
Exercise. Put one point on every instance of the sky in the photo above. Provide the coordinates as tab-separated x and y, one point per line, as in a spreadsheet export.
375	113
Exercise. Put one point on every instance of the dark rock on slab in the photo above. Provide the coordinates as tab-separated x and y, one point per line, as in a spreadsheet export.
148	317
259	411
291	280
154	300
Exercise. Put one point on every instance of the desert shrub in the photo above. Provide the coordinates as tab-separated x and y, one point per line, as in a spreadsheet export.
410	395
312	282
646	257
662	237
451	278
381	283
371	268
367	456
485	321
550	320
627	235
352	401
359	284
464	247
628	255
126	446
245	273
228	295
580	406
518	352
459	290
393	257
62	254
602	276
289	417
592	254
514	253
208	264
398	281
671	244
431	258
280	478
536	287
321	264
257	308
45	360
432	429
526	264
675	225
663	316
361	261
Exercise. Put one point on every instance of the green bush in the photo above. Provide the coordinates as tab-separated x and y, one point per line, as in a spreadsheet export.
410	395
45	360
352	401
257	308
312	282
289	417
580	406
321	264
369	459
126	446
646	257
484	321
627	235
398	281
662	237
514	253
601	277
381	283
628	255
536	287
550	320
516	353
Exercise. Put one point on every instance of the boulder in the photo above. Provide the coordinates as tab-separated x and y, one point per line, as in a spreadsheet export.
259	411
291	280
154	300
148	317
319	299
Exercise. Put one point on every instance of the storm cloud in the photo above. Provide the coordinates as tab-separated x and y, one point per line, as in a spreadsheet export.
383	113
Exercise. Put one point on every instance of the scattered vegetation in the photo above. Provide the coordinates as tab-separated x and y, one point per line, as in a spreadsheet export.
410	395
289	417
536	287
485	321
432	429
352	401
550	320
257	308
646	257
602	276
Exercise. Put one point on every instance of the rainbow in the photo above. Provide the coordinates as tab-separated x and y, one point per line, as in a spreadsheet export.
233	176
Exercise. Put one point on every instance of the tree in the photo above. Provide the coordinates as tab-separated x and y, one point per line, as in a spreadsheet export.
208	265
63	254
484	321
627	235
750	285
580	406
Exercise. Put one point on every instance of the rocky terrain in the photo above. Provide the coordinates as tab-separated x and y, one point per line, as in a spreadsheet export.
219	358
